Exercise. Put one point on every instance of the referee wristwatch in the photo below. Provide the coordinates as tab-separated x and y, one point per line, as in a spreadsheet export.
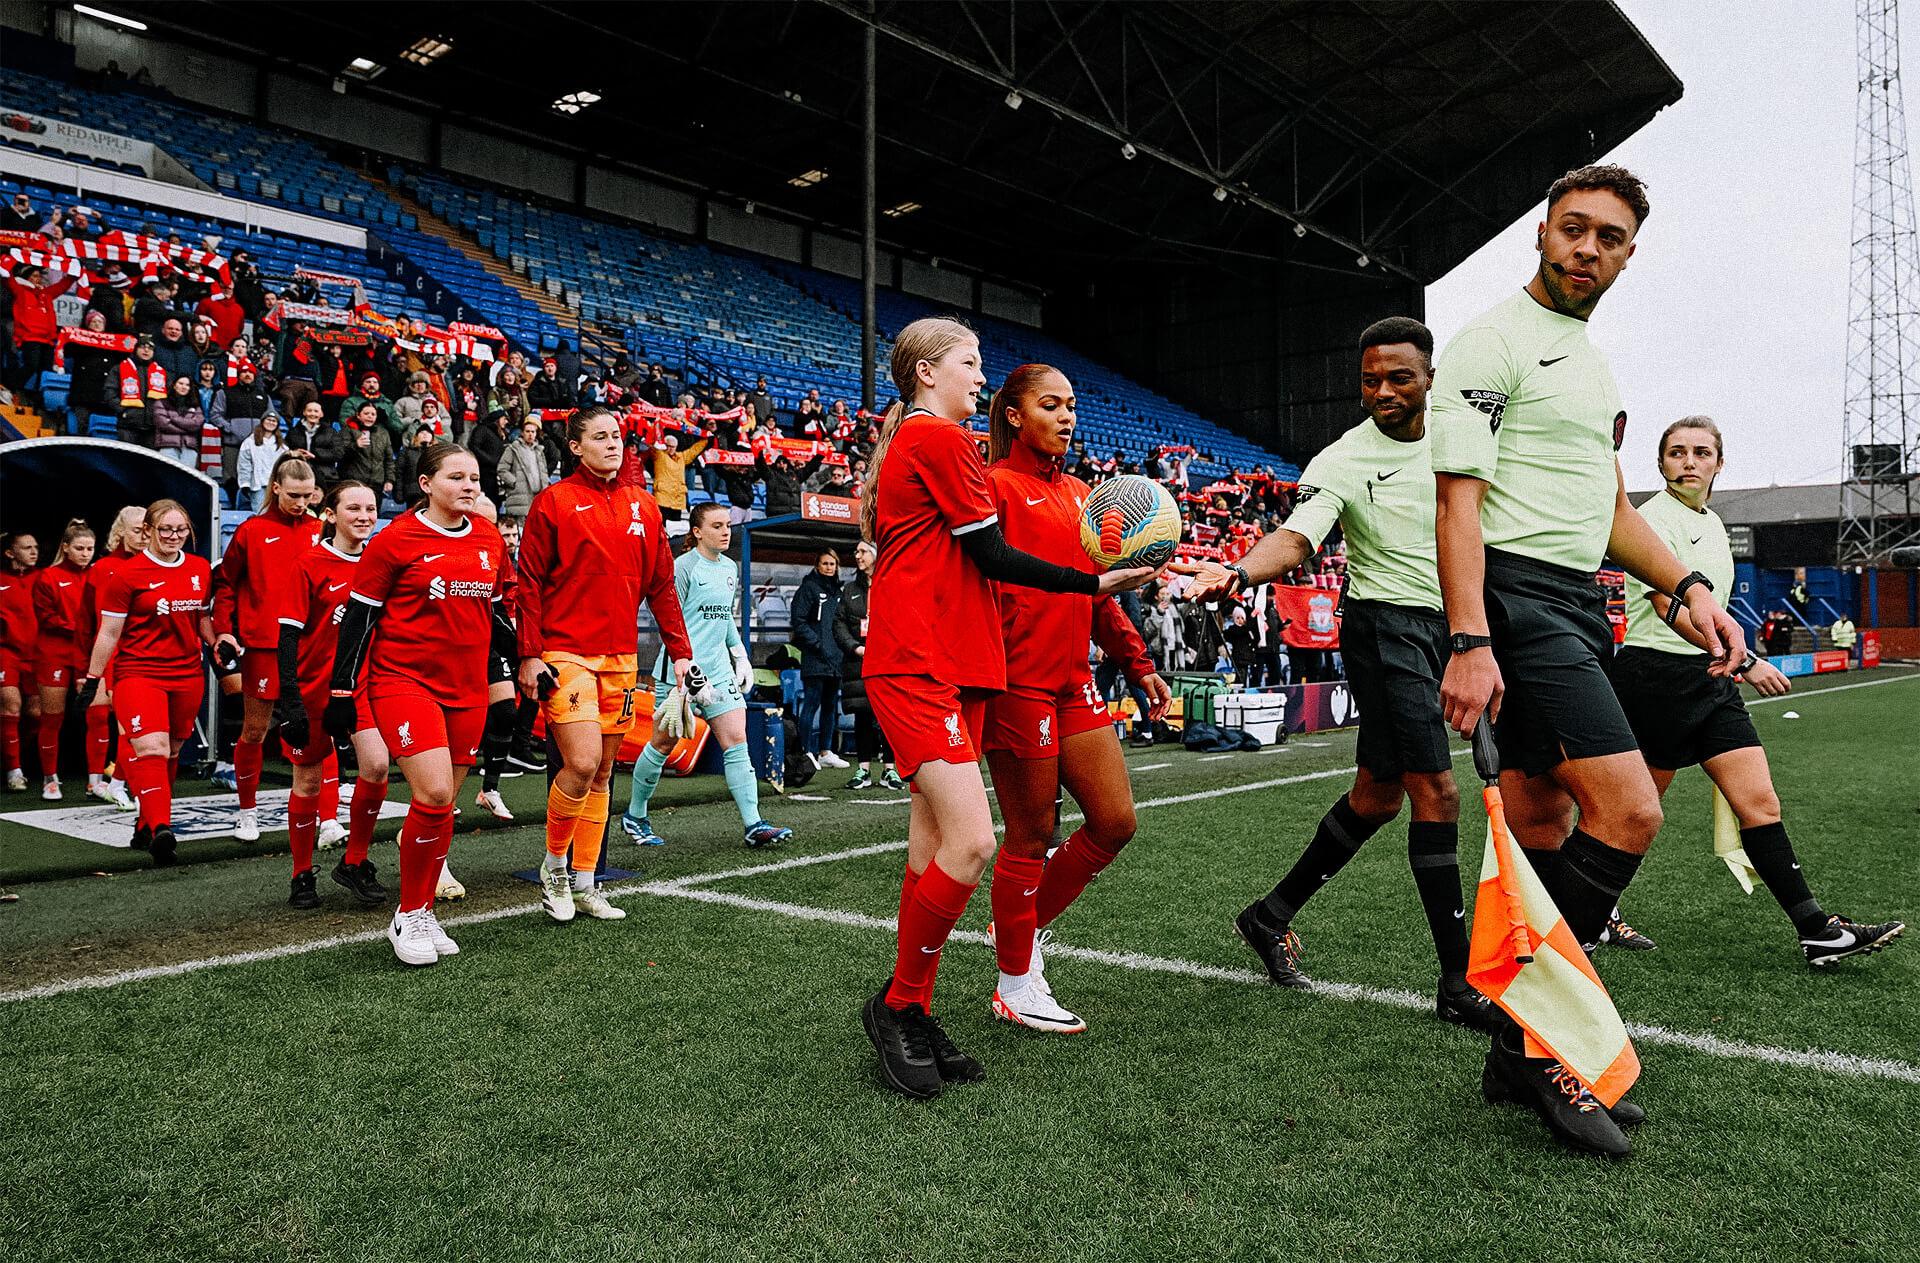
1461	642
1680	593
1241	582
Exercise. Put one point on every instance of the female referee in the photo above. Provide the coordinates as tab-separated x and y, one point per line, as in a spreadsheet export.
1051	726
310	618
17	694
1681	715
60	655
430	585
708	586
934	654
591	550
249	592
125	538
155	616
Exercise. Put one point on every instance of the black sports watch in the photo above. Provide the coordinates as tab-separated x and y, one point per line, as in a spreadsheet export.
1245	581
1463	643
1692	577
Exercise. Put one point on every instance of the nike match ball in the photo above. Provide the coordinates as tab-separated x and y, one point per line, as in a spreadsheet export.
1130	521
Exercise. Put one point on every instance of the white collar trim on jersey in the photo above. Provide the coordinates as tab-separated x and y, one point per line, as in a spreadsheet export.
180	560
465	526
333	548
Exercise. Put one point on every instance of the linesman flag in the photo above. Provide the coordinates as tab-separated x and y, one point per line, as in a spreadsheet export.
1526	960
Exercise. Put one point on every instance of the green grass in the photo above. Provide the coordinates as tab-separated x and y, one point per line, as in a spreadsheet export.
692	1083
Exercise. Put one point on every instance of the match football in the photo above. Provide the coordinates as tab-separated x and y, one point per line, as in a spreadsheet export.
962	630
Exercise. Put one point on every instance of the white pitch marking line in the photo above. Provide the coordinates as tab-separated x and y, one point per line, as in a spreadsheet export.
1845	1065
1215	758
1151	767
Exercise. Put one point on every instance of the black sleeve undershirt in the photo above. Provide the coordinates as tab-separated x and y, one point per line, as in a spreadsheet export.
1000	561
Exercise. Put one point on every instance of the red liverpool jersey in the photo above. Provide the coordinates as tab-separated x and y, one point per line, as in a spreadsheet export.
316	600
97	575
435	589
1047	633
933	612
261	560
590	552
16	613
163	605
59	601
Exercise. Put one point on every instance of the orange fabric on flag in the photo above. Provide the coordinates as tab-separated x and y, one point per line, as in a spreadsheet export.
1525	959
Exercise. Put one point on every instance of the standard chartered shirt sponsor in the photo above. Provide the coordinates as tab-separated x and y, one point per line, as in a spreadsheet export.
708	591
1381	493
1699	540
1523	401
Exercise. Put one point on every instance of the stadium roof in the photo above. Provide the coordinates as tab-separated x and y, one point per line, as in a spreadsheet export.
1406	132
1768	506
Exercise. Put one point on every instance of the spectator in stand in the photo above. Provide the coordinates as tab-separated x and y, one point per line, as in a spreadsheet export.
784	479
154	307
369	452
568	361
225	318
1777	633
371	394
850	633
407	407
319	441
816	602
260	449
143	384
517	361
206	384
467	402
1163	632
406	463
626	376
509	395
839	482
298	360
738	481
523	471
176	422
235	411
35	329
114	300
551	389
94	386
335	384
248	291
760	402
655	389
433	419
20	216
488	440
670	474
810	418
174	353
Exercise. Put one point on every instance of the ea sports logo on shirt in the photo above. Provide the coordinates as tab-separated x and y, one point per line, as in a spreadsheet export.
953	731
437	589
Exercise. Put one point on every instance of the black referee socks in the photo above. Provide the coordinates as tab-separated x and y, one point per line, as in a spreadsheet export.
1337	840
1433	850
1592	875
1772	857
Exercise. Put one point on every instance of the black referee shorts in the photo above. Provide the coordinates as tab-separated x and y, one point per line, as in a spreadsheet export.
1552	640
1395	655
1680	714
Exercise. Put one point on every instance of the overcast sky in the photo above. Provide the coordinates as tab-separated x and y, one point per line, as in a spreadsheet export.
1735	304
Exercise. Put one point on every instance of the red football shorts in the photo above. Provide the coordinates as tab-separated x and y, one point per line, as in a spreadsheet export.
1031	724
58	662
927	720
260	673
16	671
412	723
319	744
145	706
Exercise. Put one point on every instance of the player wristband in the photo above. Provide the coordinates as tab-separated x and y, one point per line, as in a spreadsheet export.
340	693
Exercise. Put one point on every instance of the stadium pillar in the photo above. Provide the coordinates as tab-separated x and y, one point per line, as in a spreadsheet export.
869	252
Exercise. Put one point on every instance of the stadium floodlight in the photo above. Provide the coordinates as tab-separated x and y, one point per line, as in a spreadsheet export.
1015	100
807	179
748	208
1219	192
1299	230
574	102
1127	151
904	208
365	69
104	16
1362	261
427	49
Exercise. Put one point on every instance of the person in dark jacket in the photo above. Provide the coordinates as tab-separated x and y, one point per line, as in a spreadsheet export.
369	455
114	300
95	383
550	389
815	603
655	389
176	423
784	479
174	352
320	441
488	442
154	307
568	361
850	633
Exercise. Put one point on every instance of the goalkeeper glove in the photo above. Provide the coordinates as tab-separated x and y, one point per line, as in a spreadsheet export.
226	657
742	669
89	687
296	728
340	716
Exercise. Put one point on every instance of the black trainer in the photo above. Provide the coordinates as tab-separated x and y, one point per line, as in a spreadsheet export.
1619	934
142	838
359	879
1278	947
1549	1089
905	1045
1496	1089
304	892
1842	938
525	754
954	1065
1460	1002
165	847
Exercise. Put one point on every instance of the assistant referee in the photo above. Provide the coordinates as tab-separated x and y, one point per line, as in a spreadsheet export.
1526	422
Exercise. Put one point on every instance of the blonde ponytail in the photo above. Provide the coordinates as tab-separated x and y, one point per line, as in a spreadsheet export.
928	338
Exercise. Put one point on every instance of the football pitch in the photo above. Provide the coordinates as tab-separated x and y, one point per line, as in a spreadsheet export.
193	1071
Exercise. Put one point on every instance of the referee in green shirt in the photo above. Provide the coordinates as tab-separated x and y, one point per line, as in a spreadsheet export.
1376	482
1526	423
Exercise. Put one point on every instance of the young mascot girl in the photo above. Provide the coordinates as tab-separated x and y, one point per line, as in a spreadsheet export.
60	655
155	617
430	585
315	607
934	655
1051	726
591	550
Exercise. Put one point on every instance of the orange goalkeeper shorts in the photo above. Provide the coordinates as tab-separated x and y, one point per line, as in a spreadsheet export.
602	687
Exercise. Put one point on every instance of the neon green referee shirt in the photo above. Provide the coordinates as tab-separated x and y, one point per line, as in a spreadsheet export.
1522	401
1380	490
1699	540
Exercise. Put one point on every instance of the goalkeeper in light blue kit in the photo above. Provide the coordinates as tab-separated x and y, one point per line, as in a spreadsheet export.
708	585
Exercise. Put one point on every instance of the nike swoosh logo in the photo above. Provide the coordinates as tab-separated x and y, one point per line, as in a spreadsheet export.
335	587
1034	891
433	557
930	951
1550	363
161	584
273	539
581	508
1459	914
1041	500
67	584
1698	539
1846	939
1384	477
1796	868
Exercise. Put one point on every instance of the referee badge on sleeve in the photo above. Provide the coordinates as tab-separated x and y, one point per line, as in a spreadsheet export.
1491	402
1619	429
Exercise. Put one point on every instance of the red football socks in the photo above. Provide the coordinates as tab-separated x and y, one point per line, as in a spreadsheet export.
420	853
363	814
303	823
937	904
907	885
10	740
329	806
247	756
152	789
49	732
1068	872
1016	880
98	722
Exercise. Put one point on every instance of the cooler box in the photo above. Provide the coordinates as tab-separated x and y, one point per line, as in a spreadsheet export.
767	739
1262	714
